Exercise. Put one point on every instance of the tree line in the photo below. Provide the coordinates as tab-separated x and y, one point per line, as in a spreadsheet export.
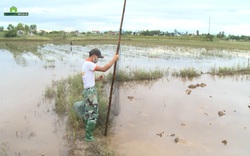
23	29
220	35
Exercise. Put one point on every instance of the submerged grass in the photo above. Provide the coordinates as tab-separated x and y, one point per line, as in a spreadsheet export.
235	70
187	73
3	146
220	71
137	75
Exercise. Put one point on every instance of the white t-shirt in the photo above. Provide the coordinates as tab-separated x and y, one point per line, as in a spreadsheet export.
88	74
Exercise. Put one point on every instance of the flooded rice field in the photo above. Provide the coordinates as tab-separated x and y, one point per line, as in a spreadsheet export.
158	117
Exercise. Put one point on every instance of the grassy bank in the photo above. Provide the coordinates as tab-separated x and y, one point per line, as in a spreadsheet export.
186	41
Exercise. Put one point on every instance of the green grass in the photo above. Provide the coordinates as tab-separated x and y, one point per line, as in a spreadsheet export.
101	149
235	70
187	73
145	41
137	75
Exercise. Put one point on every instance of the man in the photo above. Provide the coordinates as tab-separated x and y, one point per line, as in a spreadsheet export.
88	108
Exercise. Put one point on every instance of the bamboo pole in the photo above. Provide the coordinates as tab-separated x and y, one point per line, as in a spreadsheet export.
114	71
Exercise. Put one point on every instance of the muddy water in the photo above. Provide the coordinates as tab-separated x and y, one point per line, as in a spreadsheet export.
29	126
161	119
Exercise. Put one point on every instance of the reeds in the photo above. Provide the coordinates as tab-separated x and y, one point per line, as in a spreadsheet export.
235	70
187	73
137	75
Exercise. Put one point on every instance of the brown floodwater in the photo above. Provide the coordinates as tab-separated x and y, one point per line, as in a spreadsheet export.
162	119
156	117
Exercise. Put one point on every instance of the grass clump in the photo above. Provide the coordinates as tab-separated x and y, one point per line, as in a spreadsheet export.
186	73
235	70
136	75
101	149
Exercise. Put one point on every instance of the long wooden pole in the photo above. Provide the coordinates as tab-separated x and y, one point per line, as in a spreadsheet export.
114	71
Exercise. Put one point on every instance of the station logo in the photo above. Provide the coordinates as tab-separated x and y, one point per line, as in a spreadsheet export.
13	12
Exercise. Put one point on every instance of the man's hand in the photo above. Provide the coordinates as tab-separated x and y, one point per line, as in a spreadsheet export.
116	57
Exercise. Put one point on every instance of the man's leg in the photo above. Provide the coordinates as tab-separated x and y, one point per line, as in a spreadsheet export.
92	112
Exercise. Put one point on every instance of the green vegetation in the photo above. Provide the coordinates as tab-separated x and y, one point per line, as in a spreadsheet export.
186	73
190	73
3	146
223	71
101	149
138	74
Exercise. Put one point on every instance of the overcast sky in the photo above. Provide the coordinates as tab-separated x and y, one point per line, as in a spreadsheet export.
230	16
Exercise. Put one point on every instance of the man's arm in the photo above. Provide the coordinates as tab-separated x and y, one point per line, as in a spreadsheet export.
107	66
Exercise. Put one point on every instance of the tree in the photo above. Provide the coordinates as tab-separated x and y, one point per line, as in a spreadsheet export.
209	37
26	28
221	35
1	28
20	26
10	27
12	32
197	32
33	28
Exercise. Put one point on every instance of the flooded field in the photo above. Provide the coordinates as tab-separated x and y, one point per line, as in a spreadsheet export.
156	118
162	119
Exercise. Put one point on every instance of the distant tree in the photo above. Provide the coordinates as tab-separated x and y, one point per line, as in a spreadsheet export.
12	32
26	28
10	27
33	29
244	38
221	35
197	32
1	28
42	33
20	26
127	32
150	33
209	37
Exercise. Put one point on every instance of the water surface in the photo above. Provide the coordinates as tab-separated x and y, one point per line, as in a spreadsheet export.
29	125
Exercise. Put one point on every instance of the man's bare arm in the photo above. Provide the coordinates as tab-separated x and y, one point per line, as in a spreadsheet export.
107	66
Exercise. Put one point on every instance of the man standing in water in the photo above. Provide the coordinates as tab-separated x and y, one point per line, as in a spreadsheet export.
88	108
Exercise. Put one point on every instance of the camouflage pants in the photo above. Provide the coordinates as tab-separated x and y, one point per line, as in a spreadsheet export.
90	99
88	109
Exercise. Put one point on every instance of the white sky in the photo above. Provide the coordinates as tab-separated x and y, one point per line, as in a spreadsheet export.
230	16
